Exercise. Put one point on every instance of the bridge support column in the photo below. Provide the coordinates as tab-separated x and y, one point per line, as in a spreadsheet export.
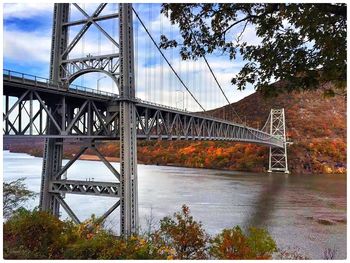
53	149
278	161
128	147
52	161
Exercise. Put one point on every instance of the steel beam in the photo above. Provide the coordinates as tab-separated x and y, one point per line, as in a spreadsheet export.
85	188
53	149
128	159
96	19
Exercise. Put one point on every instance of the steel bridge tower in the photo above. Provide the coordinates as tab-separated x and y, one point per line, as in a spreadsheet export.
120	67
278	156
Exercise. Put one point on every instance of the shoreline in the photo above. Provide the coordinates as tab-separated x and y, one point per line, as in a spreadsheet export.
91	157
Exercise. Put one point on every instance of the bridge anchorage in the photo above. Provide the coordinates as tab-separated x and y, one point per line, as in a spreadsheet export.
60	113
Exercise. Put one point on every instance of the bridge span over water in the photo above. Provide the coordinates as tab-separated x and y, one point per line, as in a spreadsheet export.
56	110
153	121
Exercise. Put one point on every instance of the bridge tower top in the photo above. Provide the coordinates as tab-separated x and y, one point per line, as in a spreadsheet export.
66	68
278	156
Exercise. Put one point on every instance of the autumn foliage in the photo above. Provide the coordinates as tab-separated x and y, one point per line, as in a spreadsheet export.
181	236
38	235
234	244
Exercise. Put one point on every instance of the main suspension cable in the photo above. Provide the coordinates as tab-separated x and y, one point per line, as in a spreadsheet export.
185	86
217	82
214	76
167	61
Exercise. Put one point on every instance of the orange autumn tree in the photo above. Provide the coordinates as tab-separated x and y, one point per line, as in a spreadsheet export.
234	244
182	237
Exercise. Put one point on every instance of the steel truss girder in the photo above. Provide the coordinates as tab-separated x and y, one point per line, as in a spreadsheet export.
68	116
162	123
85	188
90	118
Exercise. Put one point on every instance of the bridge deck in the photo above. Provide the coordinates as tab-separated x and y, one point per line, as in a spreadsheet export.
95	114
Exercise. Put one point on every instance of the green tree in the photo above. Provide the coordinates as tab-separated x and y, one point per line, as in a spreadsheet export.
15	194
302	45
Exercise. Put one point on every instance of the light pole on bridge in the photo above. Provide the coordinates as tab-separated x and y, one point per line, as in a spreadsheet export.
98	82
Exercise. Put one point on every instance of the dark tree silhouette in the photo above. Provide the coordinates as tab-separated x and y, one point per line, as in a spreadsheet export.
302	45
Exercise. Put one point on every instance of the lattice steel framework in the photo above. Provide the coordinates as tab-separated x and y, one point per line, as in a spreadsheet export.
278	156
89	119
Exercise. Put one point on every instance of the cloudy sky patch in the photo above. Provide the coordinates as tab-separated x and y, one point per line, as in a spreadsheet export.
27	43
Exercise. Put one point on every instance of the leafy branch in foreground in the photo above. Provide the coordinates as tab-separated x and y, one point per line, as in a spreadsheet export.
15	194
301	46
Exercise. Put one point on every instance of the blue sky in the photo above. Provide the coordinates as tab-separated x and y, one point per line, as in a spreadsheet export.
27	40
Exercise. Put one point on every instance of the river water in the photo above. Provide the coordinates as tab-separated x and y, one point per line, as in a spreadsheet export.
289	207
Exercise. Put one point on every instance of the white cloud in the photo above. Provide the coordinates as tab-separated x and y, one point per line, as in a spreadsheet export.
26	10
27	47
250	36
29	10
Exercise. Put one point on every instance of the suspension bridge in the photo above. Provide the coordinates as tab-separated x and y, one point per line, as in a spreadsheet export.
57	109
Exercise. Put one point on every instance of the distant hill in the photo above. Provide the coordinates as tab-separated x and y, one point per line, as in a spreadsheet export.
316	126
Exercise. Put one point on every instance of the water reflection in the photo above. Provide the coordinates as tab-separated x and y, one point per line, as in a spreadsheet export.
265	204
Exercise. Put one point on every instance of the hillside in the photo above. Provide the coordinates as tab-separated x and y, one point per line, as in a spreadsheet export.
316	126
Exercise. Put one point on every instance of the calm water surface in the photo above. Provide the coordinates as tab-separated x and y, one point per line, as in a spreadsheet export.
288	206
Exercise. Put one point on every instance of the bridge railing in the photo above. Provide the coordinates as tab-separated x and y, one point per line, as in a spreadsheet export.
161	105
25	78
78	88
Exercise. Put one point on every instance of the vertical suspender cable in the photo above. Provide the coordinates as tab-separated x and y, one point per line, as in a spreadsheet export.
161	91
145	72
172	61
153	64
99	53
149	52
187	81
82	52
136	57
167	61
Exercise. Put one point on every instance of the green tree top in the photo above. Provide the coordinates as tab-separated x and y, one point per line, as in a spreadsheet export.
15	194
303	45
